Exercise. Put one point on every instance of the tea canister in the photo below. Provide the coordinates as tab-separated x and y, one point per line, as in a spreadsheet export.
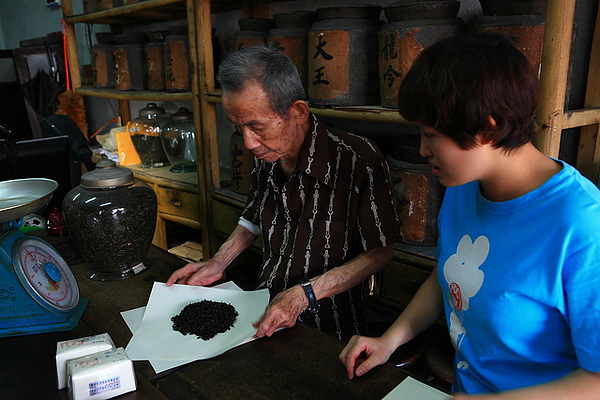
177	63
242	163
129	67
145	136
155	65
342	54
400	42
418	195
103	66
103	63
179	141
253	32
291	38
527	31
111	218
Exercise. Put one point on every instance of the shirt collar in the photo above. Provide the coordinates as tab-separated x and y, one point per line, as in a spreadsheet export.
313	158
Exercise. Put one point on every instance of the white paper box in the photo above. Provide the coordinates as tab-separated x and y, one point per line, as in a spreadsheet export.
70	349
101	375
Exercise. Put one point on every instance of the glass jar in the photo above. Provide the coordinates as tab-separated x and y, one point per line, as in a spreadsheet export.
145	135
179	141
111	218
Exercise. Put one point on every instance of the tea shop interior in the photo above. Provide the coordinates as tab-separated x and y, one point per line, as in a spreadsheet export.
128	167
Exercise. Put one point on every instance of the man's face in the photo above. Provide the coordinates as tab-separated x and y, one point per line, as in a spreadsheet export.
268	135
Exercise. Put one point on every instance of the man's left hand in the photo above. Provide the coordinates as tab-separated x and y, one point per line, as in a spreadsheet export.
282	312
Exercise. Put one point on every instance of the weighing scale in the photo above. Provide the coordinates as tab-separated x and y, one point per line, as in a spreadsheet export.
38	291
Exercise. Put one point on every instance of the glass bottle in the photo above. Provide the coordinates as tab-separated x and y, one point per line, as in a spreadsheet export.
145	135
179	141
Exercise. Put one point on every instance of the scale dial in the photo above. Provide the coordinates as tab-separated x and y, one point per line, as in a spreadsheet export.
44	274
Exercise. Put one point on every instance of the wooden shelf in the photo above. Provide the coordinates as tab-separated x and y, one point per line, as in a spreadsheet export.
134	95
150	11
360	113
132	14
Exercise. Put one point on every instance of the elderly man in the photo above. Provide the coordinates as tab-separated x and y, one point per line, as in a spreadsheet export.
320	199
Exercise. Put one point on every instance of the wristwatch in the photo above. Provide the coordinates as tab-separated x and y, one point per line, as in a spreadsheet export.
313	305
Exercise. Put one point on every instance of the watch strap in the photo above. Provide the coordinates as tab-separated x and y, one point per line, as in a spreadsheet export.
313	304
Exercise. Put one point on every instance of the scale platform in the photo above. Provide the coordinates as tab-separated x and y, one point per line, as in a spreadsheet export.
38	291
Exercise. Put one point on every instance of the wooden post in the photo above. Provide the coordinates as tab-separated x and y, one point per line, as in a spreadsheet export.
206	126
588	155
554	75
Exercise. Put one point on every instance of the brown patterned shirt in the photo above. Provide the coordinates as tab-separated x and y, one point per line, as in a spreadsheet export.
337	204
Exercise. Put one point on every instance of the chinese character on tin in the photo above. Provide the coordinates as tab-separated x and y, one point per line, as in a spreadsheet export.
320	52
389	48
390	75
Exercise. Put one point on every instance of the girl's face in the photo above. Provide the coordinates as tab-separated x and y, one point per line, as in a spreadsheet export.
452	164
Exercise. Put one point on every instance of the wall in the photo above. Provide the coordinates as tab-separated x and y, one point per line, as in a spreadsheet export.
36	20
18	23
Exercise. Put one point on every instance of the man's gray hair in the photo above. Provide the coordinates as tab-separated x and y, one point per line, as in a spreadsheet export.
268	67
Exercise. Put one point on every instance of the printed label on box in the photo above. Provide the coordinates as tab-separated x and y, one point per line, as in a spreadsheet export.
104	385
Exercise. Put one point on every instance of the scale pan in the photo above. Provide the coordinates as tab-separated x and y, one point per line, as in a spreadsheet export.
21	197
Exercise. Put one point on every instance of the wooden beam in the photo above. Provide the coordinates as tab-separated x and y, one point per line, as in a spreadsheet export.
206	127
588	156
583	117
554	75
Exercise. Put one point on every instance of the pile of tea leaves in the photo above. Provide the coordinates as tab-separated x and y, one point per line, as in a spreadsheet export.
205	319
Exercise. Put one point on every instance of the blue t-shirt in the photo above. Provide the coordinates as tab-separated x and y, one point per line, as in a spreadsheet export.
521	283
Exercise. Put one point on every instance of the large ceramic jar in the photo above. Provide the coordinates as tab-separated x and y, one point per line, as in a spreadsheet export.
179	141
145	135
111	219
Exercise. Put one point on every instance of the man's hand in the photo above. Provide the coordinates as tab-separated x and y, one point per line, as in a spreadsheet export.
197	273
282	312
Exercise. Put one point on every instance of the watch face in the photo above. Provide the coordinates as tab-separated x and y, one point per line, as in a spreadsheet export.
45	275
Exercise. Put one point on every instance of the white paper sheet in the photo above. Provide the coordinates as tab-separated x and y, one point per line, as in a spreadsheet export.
155	340
133	319
413	389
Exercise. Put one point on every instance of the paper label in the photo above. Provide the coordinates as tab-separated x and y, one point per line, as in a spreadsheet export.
104	385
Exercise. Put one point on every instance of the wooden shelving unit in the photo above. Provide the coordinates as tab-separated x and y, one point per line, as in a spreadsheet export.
553	118
151	11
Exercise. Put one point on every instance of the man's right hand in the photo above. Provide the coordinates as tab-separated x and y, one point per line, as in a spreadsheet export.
197	273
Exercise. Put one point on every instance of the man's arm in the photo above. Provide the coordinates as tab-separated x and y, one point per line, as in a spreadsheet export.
206	272
284	309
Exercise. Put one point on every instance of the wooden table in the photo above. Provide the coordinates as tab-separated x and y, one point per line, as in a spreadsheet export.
295	363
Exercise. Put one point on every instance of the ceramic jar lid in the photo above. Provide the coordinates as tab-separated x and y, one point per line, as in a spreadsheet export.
182	115
151	111
107	175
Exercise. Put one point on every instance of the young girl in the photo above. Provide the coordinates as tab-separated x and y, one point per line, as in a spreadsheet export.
518	255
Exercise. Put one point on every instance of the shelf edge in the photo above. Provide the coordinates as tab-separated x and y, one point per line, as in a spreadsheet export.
362	113
119	11
134	95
